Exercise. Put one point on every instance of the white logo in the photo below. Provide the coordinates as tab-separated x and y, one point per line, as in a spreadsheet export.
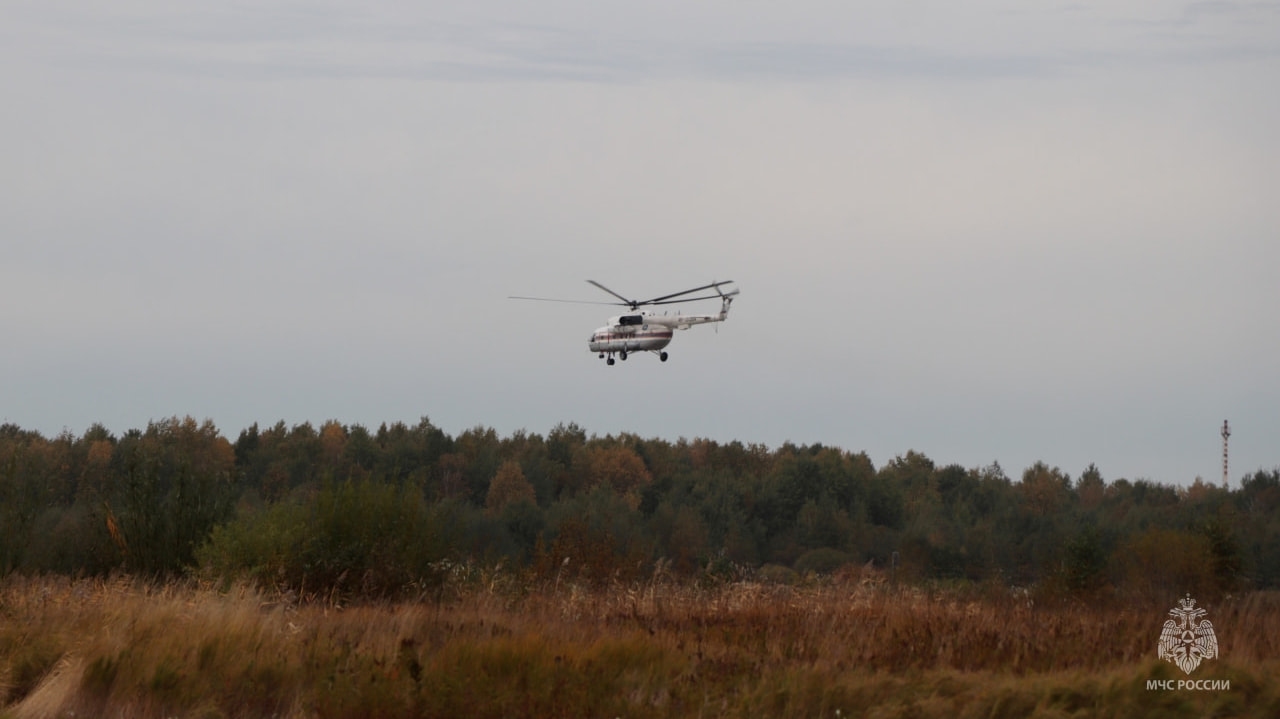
1187	640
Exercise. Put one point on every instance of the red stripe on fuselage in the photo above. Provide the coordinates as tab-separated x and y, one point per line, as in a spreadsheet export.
611	336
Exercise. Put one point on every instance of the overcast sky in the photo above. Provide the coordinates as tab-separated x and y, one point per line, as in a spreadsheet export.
985	231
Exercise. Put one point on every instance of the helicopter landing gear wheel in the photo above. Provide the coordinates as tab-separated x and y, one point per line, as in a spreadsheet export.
609	361
662	356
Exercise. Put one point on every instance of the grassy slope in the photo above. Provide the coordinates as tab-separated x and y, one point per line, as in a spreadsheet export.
657	649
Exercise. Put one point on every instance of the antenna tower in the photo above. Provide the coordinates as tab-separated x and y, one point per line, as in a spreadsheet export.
1226	432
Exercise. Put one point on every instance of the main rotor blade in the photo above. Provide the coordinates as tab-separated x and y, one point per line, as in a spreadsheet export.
630	303
685	299
552	299
659	300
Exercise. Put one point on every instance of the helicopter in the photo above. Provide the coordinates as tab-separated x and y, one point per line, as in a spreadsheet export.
646	330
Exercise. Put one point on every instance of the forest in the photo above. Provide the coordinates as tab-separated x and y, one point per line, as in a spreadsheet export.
345	511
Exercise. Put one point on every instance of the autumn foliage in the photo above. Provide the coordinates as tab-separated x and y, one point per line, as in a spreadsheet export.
342	509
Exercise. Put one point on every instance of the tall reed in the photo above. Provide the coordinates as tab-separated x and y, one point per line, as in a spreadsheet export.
497	646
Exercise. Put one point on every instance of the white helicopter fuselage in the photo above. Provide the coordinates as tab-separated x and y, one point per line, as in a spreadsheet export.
643	339
646	331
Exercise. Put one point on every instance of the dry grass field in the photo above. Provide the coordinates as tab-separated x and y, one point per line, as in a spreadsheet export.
496	648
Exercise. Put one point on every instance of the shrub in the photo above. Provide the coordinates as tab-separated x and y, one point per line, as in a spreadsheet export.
823	560
368	537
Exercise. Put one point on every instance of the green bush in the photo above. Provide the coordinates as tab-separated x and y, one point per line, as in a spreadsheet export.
366	537
823	560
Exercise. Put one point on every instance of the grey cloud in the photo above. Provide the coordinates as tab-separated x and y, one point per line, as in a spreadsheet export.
285	41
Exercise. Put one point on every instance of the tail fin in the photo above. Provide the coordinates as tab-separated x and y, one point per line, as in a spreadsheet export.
726	299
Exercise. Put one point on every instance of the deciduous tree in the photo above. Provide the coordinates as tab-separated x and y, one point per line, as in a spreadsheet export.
507	486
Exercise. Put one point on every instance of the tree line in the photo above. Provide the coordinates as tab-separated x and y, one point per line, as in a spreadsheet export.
342	508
